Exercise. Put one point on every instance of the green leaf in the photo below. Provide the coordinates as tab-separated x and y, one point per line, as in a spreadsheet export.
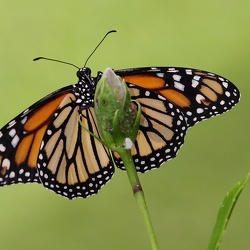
225	212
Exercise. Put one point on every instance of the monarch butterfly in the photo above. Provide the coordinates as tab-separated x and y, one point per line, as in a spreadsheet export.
46	143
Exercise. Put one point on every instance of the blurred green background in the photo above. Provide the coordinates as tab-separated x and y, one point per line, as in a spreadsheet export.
183	195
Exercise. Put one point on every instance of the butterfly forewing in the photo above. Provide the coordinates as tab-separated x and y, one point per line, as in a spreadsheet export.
199	94
20	141
72	162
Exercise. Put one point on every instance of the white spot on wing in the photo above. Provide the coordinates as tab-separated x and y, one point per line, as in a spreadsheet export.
195	83
189	72
225	84
179	86
197	78
172	70
177	78
6	163
24	120
199	98
199	110
161	97
2	148
25	111
161	75
12	174
15	140
11	123
27	174
12	132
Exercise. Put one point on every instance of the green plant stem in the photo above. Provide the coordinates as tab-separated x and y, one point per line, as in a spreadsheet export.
139	195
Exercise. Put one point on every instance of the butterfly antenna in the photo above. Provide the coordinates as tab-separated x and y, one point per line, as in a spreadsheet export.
55	60
111	31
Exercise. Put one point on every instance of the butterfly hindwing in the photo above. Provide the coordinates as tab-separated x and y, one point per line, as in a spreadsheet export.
72	162
161	133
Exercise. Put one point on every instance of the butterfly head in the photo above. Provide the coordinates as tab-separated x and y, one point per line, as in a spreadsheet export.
85	88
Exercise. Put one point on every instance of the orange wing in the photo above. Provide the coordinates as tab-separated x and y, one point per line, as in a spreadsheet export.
20	140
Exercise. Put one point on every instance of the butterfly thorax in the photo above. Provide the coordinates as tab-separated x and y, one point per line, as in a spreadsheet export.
84	90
